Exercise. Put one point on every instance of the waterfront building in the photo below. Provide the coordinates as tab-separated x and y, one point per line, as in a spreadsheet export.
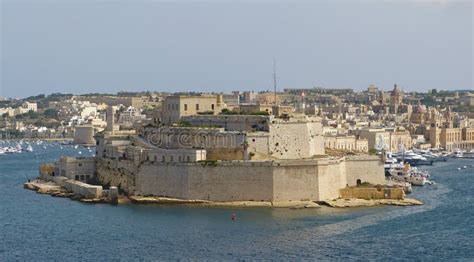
384	138
76	168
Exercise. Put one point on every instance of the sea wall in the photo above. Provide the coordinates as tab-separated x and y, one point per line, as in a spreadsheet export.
365	168
223	181
230	181
118	173
308	179
332	177
77	187
372	193
243	180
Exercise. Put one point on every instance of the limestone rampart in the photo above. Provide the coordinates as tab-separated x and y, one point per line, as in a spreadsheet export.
207	181
364	168
78	188
372	193
243	180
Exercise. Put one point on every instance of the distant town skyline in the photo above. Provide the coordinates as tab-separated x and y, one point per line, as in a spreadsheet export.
177	46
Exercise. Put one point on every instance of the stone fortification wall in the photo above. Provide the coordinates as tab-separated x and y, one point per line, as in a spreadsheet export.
308	180
365	168
239	123
117	173
77	187
207	180
237	153
332	177
193	137
258	144
244	181
84	135
76	168
372	193
269	180
295	140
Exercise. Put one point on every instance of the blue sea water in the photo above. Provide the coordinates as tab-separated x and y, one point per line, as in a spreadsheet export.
41	227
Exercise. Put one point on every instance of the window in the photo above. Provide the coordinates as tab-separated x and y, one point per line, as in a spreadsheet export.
185	107
79	164
197	107
188	159
171	158
163	159
180	159
76	177
212	106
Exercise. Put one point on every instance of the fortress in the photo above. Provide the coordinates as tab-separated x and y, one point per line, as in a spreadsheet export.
229	158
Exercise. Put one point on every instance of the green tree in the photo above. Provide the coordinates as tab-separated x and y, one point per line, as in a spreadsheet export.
51	113
32	114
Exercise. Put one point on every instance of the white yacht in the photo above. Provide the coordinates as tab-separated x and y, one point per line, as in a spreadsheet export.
410	175
457	153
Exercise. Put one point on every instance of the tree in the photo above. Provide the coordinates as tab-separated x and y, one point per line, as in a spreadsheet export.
51	113
32	114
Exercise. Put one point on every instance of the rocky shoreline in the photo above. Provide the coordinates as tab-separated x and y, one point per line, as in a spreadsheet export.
51	188
357	202
206	203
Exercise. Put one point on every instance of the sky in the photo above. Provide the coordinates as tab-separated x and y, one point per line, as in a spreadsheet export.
83	46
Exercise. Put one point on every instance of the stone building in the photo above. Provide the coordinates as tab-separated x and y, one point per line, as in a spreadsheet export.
81	168
29	106
390	140
84	135
243	137
347	143
175	107
451	138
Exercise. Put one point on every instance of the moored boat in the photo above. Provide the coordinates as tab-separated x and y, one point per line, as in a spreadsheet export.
410	175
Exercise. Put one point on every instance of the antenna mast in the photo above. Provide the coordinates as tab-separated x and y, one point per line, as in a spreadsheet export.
274	81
